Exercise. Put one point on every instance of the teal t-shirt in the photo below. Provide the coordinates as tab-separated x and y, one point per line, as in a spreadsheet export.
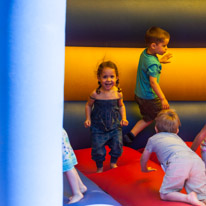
149	65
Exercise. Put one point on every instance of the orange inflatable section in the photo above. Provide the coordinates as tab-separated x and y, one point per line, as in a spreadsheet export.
184	79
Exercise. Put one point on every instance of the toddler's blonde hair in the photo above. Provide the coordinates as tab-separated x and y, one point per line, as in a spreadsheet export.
167	121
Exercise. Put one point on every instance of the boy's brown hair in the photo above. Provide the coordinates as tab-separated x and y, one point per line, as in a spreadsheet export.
167	121
156	35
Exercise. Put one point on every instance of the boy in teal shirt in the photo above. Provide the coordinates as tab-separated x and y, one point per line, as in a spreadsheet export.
148	94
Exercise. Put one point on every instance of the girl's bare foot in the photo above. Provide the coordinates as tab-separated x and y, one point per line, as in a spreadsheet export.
83	189
113	165
192	199
75	198
99	170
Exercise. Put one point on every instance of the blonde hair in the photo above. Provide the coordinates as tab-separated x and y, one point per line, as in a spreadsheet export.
167	121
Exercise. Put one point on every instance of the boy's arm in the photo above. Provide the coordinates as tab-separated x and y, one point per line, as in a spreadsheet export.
143	161
165	58
156	87
122	110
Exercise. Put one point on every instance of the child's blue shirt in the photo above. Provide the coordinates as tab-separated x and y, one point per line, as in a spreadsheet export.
149	65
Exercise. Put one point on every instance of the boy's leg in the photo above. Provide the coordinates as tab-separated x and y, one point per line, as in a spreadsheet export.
73	181
190	198
139	126
149	110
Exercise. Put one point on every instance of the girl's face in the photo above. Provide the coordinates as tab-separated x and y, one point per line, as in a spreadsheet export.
108	78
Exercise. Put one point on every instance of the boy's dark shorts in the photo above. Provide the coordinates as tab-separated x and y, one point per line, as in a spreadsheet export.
149	108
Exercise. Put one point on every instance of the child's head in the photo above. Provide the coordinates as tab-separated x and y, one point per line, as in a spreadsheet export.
107	74
167	121
156	35
106	64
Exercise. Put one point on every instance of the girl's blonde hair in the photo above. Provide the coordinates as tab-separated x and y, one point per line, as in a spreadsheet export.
167	121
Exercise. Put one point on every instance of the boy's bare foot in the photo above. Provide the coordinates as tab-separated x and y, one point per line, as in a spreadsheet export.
75	198
192	199
99	170
113	165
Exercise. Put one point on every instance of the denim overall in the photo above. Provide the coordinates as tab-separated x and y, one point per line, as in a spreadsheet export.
106	130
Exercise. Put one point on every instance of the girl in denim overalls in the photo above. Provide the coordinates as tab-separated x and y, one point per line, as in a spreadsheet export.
104	109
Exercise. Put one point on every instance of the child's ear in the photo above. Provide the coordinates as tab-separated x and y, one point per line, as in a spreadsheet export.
177	131
156	130
153	45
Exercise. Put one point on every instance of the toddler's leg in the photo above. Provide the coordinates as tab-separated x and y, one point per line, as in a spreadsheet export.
113	162
74	183
99	166
190	198
113	165
99	169
115	144
99	139
82	186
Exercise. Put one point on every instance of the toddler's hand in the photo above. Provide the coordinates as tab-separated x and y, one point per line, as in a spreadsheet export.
165	58
124	122
87	123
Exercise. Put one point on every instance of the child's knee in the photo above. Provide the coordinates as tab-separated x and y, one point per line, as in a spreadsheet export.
163	196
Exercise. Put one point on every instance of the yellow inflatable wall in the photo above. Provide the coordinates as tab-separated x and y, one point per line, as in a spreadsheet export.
184	79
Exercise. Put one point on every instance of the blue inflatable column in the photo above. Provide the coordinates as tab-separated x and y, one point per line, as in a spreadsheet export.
32	40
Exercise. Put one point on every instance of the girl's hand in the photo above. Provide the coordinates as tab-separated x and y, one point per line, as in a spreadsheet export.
124	122
87	123
165	58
